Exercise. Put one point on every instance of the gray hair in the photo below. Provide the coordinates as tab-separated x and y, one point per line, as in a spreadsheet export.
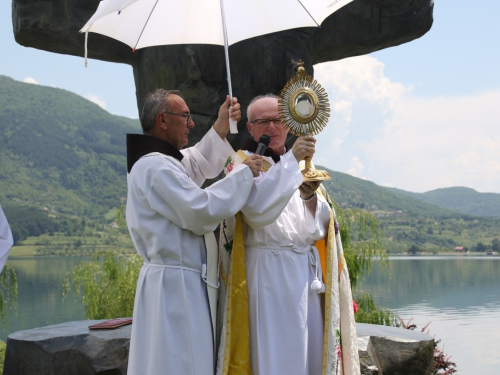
155	102
249	108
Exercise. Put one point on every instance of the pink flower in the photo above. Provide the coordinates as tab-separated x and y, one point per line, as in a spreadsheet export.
355	306
230	167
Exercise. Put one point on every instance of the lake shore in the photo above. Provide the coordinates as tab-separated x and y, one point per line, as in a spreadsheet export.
30	252
448	253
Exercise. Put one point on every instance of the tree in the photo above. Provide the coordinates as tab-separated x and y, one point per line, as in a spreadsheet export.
8	292
414	249
362	240
480	247
8	299
495	245
107	284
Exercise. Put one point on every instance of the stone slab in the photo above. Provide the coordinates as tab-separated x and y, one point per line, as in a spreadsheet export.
71	348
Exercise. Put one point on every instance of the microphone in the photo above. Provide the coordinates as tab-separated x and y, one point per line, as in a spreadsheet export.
264	141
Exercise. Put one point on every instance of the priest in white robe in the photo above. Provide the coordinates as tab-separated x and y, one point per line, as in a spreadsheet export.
170	218
6	240
280	224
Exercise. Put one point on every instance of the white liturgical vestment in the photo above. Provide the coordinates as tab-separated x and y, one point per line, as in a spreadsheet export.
286	323
281	262
6	240
167	215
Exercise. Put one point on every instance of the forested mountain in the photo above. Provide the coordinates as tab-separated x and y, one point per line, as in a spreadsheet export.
350	191
409	221
460	199
60	151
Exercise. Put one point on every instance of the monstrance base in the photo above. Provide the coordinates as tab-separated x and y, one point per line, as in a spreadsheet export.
312	174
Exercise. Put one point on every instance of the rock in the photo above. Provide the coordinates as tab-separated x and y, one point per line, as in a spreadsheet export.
71	348
68	348
258	65
394	351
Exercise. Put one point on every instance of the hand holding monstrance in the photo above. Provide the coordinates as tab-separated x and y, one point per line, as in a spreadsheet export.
304	110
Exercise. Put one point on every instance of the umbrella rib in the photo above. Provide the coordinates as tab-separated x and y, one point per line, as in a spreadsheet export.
310	15
145	24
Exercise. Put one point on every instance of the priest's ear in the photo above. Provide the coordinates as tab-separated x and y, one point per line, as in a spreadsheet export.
161	121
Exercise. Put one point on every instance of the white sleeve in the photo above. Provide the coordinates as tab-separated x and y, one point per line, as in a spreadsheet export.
6	240
272	191
207	158
176	197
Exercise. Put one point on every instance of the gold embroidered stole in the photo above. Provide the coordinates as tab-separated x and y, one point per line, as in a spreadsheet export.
237	321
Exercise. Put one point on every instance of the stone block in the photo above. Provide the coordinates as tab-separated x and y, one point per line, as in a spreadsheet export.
394	351
68	348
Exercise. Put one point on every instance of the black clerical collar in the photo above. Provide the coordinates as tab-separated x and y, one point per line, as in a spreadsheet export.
139	145
250	145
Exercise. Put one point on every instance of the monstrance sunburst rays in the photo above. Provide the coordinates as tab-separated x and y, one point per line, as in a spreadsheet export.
304	109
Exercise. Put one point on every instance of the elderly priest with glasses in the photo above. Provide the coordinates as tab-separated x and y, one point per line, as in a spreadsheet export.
171	220
275	324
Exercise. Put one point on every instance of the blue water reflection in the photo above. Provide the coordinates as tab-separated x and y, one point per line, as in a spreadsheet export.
39	293
458	295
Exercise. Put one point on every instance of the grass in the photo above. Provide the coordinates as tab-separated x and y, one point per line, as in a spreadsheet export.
111	214
91	242
23	251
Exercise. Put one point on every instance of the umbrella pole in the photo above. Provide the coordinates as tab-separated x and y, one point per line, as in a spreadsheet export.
233	125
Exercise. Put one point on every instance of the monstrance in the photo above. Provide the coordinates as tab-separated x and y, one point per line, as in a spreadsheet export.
304	109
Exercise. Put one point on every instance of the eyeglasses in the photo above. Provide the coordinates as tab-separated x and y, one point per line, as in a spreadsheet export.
187	116
265	122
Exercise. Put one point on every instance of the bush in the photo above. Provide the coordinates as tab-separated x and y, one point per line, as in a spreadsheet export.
442	362
3	347
362	241
8	299
368	312
8	292
107	284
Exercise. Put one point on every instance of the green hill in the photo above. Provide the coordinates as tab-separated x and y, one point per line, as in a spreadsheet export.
460	199
408	221
349	191
60	151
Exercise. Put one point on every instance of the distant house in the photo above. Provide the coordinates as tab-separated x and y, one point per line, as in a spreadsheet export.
459	249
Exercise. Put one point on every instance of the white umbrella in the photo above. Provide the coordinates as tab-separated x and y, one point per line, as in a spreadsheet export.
147	23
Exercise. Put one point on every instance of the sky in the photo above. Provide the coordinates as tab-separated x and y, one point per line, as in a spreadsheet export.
420	116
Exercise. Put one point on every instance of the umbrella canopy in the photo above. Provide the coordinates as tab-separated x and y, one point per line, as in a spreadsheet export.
148	23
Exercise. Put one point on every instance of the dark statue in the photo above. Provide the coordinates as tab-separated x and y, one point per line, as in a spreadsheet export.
259	65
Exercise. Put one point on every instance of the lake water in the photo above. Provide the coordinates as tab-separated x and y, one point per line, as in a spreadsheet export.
459	295
40	301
